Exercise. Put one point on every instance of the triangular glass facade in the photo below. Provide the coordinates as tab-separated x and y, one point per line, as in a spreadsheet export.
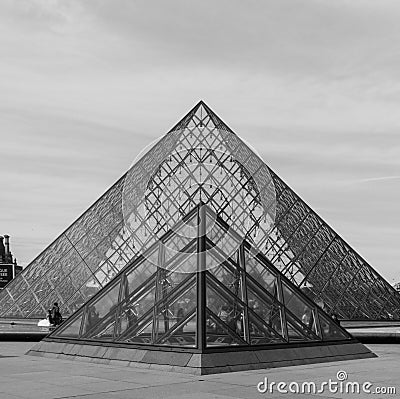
213	307
201	159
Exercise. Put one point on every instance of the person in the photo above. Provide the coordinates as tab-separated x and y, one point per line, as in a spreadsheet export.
93	317
307	317
132	316
179	317
227	316
56	314
335	318
50	317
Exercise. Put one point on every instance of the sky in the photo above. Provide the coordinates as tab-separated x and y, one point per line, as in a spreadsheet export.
313	85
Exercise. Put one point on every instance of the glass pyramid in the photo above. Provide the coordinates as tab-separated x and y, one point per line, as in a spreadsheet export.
200	159
150	303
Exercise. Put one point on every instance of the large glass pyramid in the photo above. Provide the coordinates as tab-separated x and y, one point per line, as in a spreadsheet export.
200	159
201	297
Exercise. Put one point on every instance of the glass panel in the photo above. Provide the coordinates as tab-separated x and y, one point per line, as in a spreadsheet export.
218	334
294	335
70	328
185	335
299	308
28	303
184	262
127	318
135	313
229	276
14	311
226	308
76	302
174	279
143	335
184	233
261	273
98	310
66	289
42	289
14	290
140	274
80	273
89	288
265	308
260	334
330	330
105	332
297	331
222	239
7	300
175	312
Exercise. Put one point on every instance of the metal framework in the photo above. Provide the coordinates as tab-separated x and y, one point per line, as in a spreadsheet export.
244	301
200	160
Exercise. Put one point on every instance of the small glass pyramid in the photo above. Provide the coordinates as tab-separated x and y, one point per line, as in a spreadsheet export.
217	301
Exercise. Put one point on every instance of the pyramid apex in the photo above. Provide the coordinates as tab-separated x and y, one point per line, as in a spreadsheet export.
200	113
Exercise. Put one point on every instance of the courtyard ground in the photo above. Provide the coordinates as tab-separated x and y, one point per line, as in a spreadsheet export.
23	376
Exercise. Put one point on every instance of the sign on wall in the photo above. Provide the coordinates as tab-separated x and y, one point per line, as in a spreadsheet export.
6	274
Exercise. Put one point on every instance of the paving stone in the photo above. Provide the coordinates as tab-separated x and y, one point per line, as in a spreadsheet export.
95	360
195	360
40	347
162	367
170	358
80	359
131	354
87	350
122	363
100	351
70	349
213	370
111	353
139	365
65	357
273	355
310	352
37	346
35	353
353	348
55	347
229	358
186	370
51	355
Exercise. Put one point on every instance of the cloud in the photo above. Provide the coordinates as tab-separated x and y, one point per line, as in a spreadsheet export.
378	179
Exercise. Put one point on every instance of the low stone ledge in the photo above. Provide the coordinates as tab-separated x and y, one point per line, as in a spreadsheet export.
200	363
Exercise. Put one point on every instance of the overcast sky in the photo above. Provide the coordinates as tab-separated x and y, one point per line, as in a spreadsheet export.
313	85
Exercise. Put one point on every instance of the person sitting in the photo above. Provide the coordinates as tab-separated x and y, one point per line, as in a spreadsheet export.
50	317
56	314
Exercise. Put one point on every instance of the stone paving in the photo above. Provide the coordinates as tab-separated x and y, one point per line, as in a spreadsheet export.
31	377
